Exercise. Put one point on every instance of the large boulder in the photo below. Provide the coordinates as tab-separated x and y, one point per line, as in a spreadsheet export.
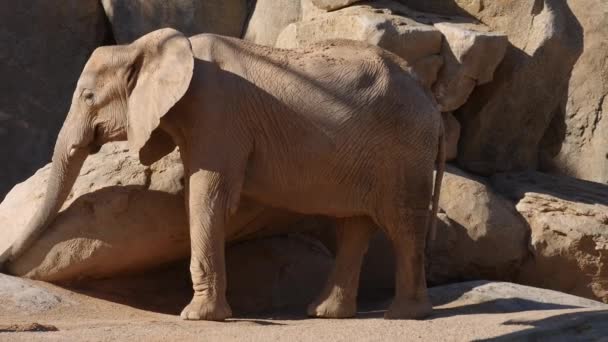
276	273
269	18
45	45
117	207
376	23
568	219
502	123
480	235
484	237
577	144
471	54
132	19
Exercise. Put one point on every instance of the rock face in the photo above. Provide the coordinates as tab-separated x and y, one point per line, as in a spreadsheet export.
471	54
330	5
132	19
277	273
40	65
116	207
480	235
484	237
502	125
269	18
452	135
568	219
18	296
577	144
373	23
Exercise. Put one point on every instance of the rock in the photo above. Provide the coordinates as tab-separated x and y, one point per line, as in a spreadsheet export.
369	22
577	142
21	296
269	18
484	237
502	125
330	5
45	48
507	297
471	54
480	235
132	19
452	135
116	207
277	273
568	219
270	274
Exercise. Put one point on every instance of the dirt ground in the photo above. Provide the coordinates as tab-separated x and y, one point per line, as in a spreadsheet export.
110	311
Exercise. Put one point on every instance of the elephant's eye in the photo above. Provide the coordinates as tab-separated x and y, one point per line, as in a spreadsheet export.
88	97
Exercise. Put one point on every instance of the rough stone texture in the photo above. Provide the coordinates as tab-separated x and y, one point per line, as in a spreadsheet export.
523	298
480	235
568	219
276	273
502	125
471	54
482	223
378	23
330	5
145	310
45	45
269	18
21	296
452	135
132	19
116	207
577	143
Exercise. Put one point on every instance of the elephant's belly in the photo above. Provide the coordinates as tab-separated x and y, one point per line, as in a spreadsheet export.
314	197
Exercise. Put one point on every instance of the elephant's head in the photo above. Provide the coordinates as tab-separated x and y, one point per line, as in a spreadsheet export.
122	94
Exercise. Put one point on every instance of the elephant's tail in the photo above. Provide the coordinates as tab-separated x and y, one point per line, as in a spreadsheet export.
440	162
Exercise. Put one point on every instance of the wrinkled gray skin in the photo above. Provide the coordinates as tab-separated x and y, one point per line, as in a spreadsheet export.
341	129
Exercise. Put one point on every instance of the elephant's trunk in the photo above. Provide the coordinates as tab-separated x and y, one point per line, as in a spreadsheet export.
68	159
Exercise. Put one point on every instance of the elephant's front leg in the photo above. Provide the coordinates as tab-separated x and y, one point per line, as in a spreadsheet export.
207	204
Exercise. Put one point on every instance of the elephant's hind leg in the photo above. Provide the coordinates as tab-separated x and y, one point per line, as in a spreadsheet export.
339	297
407	232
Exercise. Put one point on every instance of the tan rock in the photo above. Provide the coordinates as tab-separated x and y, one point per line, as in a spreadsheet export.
132	19
269	18
44	47
276	273
375	23
480	235
577	142
568	219
330	5
504	121
471	55
452	135
118	207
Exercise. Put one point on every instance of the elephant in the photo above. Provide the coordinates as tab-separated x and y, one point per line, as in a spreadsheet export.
339	128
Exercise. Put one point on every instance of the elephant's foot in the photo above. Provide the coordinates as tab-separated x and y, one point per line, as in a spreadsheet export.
333	306
409	309
207	309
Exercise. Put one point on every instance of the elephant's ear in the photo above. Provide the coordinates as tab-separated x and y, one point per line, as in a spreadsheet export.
159	76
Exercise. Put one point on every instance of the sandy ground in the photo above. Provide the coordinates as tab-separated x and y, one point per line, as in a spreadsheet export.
79	316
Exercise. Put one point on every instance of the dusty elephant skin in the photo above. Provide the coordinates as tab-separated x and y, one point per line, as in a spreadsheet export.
340	128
